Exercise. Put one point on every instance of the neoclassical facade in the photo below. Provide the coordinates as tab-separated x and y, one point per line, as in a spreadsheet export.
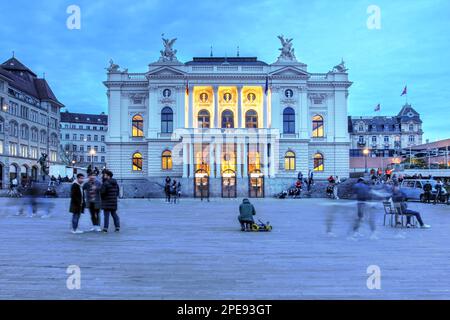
29	123
227	126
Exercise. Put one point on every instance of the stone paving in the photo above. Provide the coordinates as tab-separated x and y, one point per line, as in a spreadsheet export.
195	250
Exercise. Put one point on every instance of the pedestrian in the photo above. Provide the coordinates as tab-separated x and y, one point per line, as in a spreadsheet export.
337	181
167	189
362	192
93	200
77	202
174	189
427	187
246	213
109	194
439	186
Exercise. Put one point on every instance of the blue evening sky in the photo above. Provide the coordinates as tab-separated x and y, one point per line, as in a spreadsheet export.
412	47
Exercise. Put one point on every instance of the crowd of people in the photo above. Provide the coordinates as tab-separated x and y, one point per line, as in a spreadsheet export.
172	190
95	195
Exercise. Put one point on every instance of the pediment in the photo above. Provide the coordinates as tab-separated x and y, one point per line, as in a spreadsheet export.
289	71
166	71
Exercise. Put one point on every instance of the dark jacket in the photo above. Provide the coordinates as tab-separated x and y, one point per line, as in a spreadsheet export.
109	194
427	187
97	200
76	199
246	211
361	191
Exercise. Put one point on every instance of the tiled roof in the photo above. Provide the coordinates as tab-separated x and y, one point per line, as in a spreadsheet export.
23	79
99	119
252	61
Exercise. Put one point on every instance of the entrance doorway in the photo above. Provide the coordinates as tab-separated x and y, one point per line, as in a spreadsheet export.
34	173
201	184
229	184
256	184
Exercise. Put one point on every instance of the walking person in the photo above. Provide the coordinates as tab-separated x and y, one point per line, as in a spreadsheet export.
174	190
76	202
438	188
362	192
427	187
93	200
109	194
167	189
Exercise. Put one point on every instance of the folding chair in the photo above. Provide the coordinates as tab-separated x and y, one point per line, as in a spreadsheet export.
389	210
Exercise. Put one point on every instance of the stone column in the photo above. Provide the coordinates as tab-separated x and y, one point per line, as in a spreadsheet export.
218	160
245	171
191	107
212	169
239	107
185	160
191	160
263	152
272	159
216	107
239	160
265	111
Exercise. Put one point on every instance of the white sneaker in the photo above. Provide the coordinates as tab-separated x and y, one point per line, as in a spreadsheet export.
93	229
426	226
373	236
98	229
77	231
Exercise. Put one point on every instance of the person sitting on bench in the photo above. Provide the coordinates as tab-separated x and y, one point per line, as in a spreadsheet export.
246	213
399	196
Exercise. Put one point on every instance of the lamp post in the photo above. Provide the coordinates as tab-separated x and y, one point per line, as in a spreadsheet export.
366	153
92	153
6	146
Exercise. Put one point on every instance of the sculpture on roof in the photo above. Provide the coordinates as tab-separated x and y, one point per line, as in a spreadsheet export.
168	54
340	67
113	67
287	51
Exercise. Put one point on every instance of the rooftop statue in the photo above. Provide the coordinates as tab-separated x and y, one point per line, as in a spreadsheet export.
113	67
340	67
287	51
168	54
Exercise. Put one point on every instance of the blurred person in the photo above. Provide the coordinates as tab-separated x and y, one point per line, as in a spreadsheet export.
109	194
362	193
77	204
439	186
398	196
93	200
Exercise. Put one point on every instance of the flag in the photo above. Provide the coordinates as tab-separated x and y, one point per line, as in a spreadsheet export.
267	85
405	91
187	87
378	108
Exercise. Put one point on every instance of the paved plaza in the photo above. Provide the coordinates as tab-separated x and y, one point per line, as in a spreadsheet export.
195	250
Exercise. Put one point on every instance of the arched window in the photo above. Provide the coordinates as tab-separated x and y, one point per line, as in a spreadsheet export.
167	120
138	126
24	131
289	120
289	161
14	129
166	160
34	134
318	162
43	136
203	119
251	119
227	119
317	122
137	161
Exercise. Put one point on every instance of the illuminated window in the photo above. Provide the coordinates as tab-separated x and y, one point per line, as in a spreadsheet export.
318	162
137	162
289	161
317	126
251	119
138	126
203	119
167	120
227	119
166	160
289	120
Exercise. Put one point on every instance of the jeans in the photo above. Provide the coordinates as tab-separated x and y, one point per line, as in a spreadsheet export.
362	209
95	214
414	213
75	220
114	216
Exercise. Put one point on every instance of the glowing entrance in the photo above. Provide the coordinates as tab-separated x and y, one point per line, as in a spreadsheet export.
201	184
229	184
256	184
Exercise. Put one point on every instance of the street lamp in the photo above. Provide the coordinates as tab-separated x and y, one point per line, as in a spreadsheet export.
366	153
92	153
